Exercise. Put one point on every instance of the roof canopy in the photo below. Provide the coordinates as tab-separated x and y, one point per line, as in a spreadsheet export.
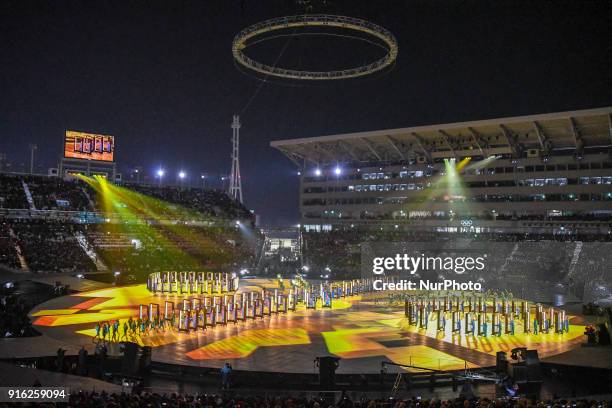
548	132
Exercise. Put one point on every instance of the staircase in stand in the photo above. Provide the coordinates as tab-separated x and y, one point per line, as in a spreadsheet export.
92	207
90	251
28	194
22	260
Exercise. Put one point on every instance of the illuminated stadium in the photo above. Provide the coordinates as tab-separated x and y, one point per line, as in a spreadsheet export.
155	253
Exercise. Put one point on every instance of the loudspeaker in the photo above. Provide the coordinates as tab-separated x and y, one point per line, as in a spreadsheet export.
129	362
531	358
145	358
327	369
501	362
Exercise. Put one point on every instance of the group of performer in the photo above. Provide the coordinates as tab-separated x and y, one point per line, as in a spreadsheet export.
201	312
115	330
482	314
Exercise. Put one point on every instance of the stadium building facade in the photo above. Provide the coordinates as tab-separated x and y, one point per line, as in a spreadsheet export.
547	173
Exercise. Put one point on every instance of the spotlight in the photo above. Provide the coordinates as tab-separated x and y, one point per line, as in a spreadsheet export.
317	172
305	268
237	223
338	171
299	173
116	273
80	276
182	174
160	173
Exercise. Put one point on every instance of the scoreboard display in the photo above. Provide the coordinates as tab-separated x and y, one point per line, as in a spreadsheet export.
88	146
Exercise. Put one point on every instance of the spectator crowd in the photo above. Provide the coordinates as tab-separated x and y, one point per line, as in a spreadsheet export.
155	400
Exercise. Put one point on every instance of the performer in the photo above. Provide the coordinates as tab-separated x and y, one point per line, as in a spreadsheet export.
115	330
125	330
512	326
105	330
535	326
97	330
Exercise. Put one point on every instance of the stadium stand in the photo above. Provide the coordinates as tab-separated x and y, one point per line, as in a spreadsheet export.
208	202
12	194
8	252
67	233
51	246
95	399
53	193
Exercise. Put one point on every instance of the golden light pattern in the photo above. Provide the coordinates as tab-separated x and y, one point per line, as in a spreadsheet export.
355	328
249	340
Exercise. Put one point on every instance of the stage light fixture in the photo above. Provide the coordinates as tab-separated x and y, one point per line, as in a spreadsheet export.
317	172
160	173
182	174
338	171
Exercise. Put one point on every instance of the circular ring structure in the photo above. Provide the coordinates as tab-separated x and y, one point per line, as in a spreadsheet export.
315	20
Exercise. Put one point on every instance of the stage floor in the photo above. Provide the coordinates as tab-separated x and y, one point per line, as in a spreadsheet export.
362	332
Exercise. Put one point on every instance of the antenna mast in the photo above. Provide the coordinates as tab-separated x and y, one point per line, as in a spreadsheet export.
235	186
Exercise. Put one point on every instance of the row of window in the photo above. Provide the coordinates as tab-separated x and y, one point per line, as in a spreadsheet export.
380	175
559	181
479	199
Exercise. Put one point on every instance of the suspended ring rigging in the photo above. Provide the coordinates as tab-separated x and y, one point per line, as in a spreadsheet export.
241	42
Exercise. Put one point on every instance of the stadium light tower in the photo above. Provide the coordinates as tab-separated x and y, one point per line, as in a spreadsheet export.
160	175
235	186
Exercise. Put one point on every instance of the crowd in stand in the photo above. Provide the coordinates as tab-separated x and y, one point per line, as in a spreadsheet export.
95	399
8	252
12	194
51	246
49	243
206	201
14	321
54	193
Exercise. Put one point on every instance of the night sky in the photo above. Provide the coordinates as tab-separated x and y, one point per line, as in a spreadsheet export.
160	77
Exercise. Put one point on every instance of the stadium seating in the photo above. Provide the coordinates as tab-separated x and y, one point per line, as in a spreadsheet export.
95	399
53	193
12	194
50	246
8	252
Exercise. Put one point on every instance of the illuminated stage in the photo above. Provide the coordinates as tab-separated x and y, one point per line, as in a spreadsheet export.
361	330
